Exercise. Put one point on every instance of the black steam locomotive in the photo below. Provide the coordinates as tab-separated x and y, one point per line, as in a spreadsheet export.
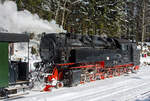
75	59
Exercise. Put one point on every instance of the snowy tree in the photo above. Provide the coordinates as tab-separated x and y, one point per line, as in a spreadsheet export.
82	16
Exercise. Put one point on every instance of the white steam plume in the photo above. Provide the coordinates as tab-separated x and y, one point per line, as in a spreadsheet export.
23	21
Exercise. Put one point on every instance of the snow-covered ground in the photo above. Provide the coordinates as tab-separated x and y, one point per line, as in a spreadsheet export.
128	87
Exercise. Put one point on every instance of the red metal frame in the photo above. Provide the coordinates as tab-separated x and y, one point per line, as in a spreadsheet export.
136	67
117	70
126	65
65	64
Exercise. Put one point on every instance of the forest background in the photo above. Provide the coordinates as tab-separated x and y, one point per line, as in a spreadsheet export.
114	18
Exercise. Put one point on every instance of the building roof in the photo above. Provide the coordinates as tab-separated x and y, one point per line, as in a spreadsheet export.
13	37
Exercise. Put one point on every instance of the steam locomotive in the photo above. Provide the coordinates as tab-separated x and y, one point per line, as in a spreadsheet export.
67	60
72	59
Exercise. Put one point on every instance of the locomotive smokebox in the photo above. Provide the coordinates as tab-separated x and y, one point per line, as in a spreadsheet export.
47	47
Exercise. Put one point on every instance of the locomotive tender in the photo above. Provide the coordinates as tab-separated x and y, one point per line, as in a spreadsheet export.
73	59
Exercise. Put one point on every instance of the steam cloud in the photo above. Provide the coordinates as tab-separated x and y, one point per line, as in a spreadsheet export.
23	21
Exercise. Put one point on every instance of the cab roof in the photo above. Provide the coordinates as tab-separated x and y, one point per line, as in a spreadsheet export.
13	37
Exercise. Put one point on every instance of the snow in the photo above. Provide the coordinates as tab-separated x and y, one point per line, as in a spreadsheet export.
21	52
127	87
145	60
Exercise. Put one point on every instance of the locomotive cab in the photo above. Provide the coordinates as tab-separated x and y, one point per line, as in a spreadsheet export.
126	51
129	52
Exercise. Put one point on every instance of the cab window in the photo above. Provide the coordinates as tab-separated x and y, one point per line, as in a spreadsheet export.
124	47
